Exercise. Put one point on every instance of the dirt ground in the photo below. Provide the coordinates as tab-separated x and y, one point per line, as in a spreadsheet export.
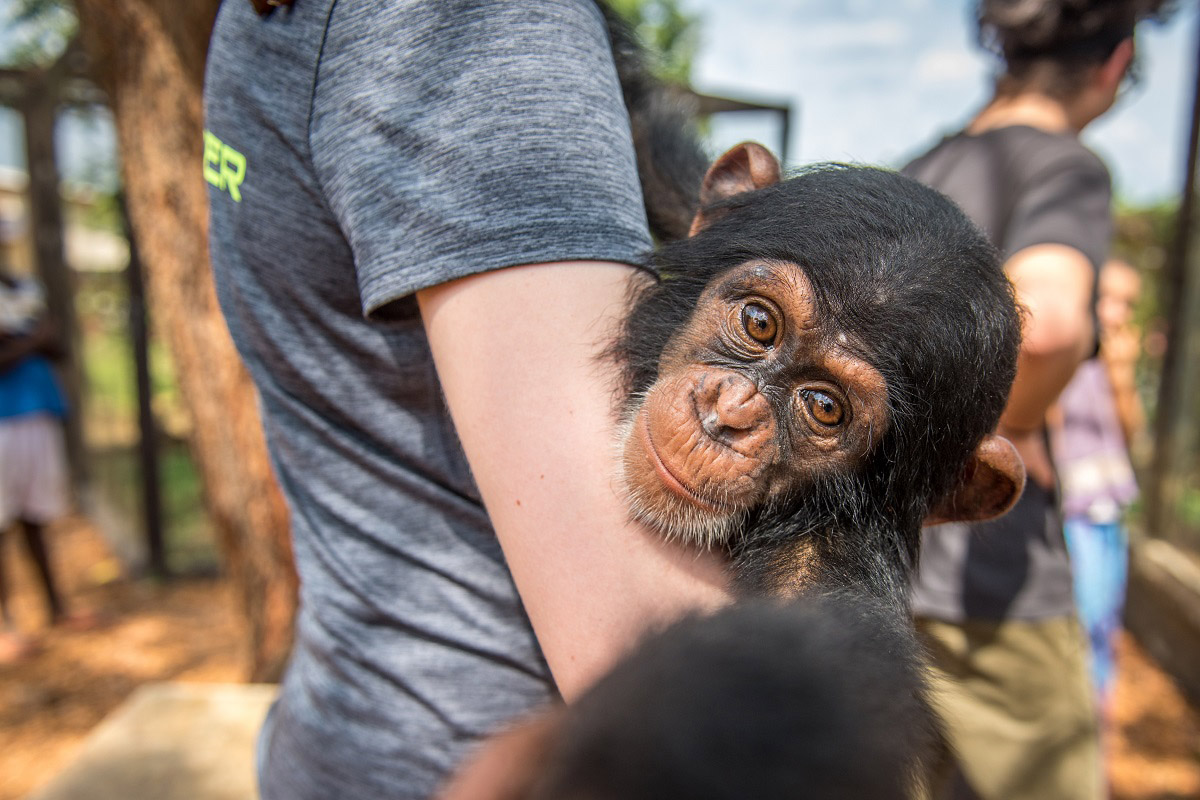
188	630
182	630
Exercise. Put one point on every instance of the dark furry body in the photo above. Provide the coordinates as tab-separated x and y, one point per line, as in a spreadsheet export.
920	294
820	698
901	272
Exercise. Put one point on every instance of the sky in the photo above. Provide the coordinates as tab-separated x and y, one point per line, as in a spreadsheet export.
870	81
879	81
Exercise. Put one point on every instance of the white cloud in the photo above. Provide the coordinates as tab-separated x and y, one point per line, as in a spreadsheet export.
839	34
1126	131
947	65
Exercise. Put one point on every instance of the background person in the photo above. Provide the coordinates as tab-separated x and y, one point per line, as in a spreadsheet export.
995	600
1091	449
33	473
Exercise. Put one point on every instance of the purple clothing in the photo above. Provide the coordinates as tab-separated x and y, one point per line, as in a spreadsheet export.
1090	452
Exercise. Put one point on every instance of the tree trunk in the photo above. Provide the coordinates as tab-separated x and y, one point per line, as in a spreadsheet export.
148	55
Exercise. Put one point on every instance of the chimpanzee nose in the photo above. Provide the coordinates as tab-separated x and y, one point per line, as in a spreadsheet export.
735	413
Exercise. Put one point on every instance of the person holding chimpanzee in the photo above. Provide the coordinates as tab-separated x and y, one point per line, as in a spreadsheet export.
995	600
424	220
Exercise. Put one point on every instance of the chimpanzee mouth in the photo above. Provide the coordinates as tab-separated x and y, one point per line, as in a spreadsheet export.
669	479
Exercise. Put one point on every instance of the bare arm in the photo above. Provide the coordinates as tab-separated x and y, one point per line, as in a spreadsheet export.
1054	284
516	353
1120	351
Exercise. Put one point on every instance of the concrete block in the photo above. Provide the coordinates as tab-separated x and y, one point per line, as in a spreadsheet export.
170	741
1162	609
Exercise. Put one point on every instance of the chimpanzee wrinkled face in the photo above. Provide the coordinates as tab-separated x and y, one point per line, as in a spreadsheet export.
708	444
818	371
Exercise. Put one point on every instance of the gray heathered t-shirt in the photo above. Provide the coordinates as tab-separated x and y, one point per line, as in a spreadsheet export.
1023	187
357	151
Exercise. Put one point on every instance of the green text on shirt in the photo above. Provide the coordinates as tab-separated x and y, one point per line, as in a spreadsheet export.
224	167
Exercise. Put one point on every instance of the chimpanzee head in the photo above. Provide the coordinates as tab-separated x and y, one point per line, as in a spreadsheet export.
820	698
819	371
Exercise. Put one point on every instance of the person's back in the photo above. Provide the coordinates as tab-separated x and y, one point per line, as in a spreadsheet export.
358	152
994	600
1024	187
1012	182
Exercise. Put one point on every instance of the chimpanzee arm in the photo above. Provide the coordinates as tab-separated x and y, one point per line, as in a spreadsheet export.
516	353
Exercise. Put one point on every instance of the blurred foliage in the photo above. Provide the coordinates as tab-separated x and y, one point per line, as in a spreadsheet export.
189	538
102	305
110	424
36	31
101	211
1189	509
671	36
1143	234
1143	237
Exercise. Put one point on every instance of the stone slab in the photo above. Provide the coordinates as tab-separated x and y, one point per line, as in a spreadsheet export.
170	741
1162	609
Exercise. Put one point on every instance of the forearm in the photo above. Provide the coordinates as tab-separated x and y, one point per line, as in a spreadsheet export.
1119	352
1129	406
1041	377
517	353
1054	286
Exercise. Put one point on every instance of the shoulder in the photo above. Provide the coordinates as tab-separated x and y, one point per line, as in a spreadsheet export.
1044	157
408	29
1063	195
945	148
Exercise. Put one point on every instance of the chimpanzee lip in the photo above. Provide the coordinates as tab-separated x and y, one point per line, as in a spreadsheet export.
669	479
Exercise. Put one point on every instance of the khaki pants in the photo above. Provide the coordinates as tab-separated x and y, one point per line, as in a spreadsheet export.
1016	703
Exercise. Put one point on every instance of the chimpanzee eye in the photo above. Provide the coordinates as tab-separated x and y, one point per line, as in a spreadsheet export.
824	408
759	324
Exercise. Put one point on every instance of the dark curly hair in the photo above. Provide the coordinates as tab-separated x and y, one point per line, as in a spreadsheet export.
1052	43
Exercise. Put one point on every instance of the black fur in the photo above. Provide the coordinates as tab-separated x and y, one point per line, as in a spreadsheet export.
671	163
921	294
821	698
898	268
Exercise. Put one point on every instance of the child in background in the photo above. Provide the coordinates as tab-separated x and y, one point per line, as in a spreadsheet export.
33	475
1100	414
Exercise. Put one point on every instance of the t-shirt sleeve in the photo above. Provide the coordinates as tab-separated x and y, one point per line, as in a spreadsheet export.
1067	201
453	138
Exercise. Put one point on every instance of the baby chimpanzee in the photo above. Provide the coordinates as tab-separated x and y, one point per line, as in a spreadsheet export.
819	368
817	372
819	698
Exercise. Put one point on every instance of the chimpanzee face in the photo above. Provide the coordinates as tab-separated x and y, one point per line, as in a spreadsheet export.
755	397
819	370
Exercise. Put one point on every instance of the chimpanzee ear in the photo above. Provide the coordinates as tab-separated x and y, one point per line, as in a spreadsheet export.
992	482
744	168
